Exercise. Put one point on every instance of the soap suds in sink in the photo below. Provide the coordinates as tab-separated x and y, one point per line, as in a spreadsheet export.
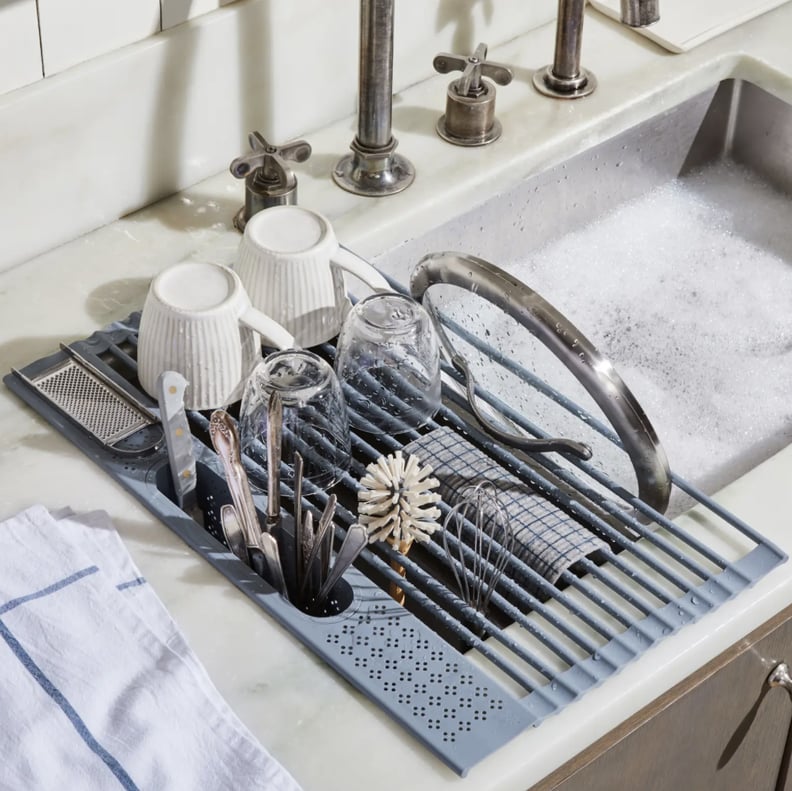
688	291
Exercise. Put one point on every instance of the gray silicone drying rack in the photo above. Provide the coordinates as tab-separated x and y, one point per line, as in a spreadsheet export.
461	684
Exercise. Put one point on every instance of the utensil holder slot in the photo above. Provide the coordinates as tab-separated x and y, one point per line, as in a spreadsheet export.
212	494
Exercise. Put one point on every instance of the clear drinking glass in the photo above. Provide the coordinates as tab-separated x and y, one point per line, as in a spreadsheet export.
315	420
388	362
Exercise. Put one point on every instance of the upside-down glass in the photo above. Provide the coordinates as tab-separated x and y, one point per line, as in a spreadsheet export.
315	421
388	363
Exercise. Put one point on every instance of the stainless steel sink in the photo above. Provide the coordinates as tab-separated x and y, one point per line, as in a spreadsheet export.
670	247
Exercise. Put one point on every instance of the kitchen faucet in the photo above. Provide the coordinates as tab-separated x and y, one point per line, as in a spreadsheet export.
374	168
565	78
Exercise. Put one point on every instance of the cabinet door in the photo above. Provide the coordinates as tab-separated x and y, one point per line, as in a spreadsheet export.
722	729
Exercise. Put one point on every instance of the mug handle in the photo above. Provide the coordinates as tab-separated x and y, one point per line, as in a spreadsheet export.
271	332
351	262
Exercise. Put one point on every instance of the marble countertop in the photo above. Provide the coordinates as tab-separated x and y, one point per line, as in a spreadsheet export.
326	734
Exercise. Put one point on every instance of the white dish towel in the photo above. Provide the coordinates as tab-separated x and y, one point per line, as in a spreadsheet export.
98	688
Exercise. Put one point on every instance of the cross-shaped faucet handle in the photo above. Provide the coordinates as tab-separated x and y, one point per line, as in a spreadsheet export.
270	160
473	68
268	179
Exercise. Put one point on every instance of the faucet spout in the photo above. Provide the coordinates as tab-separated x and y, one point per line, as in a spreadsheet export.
373	168
640	13
565	78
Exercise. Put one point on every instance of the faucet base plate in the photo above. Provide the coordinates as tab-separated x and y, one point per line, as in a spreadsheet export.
392	174
546	82
489	136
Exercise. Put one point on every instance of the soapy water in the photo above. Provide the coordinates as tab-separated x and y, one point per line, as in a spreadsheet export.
688	292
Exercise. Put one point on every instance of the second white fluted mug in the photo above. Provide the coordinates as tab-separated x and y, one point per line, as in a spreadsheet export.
292	266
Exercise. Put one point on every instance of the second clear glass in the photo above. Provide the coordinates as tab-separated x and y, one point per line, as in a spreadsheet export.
388	362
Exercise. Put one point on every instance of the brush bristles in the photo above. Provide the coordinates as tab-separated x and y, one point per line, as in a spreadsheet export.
396	503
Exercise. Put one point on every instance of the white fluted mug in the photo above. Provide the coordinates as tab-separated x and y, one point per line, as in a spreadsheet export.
198	320
291	264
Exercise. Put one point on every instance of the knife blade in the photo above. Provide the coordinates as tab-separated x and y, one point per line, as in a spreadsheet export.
274	440
178	438
299	543
269	547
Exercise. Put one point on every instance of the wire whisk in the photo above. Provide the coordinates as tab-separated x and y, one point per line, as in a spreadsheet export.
478	541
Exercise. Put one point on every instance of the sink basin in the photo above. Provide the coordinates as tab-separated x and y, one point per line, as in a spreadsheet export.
669	248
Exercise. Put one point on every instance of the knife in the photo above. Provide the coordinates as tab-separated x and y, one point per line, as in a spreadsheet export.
299	543
178	438
274	440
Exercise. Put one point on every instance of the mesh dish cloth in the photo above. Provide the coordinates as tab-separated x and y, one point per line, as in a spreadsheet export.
545	538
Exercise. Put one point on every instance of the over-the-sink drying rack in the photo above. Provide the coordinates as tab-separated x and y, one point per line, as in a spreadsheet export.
463	684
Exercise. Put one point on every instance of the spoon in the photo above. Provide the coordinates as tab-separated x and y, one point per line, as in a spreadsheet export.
232	530
353	544
225	440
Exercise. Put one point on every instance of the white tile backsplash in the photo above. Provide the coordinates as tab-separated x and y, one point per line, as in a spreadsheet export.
309	50
20	53
174	12
73	31
147	120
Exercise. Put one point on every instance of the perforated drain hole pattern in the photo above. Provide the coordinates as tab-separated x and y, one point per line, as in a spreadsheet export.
399	660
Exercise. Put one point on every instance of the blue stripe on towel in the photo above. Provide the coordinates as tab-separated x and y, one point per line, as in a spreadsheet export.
82	729
56	586
131	583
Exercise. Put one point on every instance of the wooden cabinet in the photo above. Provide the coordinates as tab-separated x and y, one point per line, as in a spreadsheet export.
722	729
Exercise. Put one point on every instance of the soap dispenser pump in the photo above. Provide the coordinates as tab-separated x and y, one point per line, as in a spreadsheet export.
469	118
268	179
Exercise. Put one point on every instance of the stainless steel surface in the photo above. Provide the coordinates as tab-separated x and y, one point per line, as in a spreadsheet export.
571	347
317	564
353	544
225	441
469	119
232	530
374	168
727	129
325	534
95	403
274	441
478	540
268	179
307	539
178	438
299	525
269	548
640	13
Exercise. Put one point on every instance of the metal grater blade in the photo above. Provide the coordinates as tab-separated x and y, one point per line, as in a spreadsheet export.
91	403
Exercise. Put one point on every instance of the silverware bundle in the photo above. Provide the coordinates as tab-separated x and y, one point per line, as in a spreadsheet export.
314	577
240	521
307	578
